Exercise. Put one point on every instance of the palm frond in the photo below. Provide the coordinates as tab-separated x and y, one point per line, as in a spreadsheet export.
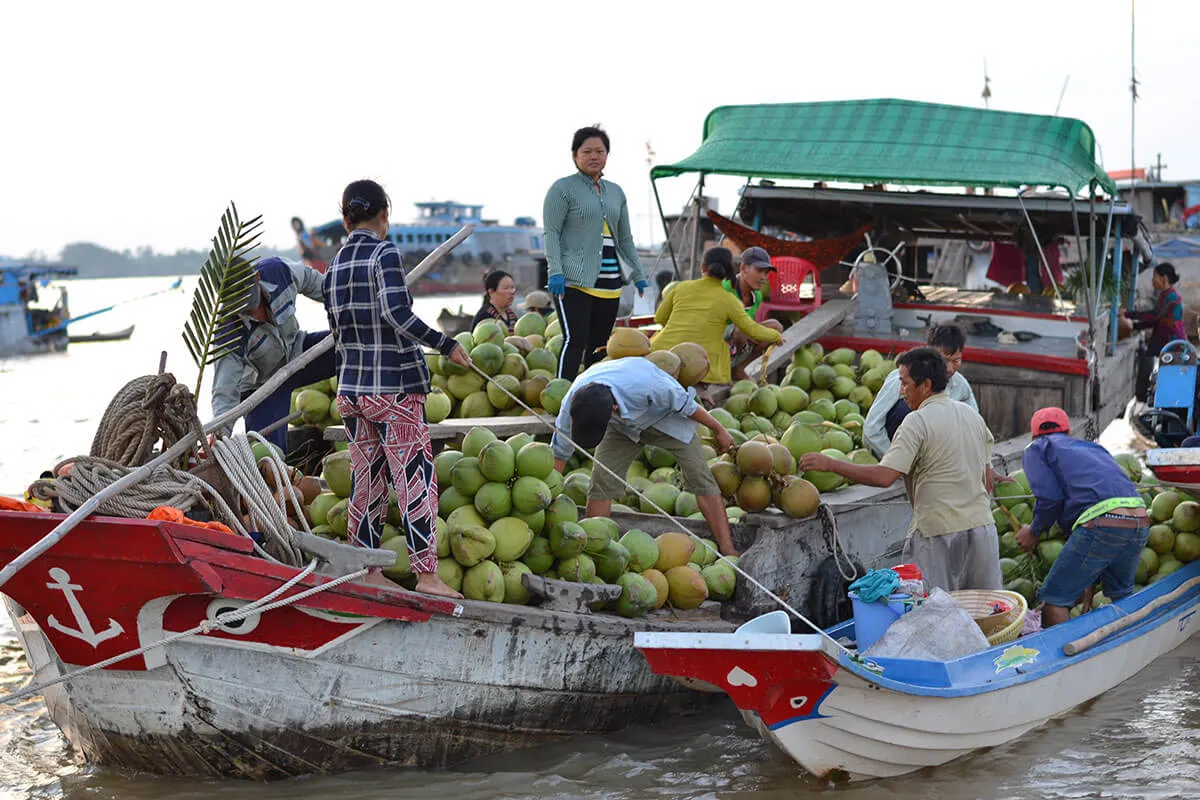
211	330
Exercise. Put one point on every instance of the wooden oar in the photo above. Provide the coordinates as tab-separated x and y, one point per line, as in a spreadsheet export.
1103	632
183	445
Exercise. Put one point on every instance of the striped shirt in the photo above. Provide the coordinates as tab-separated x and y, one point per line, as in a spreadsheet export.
608	283
378	336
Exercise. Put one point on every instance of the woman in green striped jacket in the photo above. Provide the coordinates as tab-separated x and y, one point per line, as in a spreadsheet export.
587	236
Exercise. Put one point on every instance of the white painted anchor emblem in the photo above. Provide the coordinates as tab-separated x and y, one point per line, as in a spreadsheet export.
85	631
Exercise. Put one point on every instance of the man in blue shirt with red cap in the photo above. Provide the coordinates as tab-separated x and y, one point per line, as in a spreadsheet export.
1080	486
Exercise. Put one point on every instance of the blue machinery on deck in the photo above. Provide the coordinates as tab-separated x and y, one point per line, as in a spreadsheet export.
1172	418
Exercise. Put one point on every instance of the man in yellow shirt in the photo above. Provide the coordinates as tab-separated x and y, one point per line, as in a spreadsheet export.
941	449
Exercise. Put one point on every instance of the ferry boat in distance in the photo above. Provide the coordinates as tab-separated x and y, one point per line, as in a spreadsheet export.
28	324
491	246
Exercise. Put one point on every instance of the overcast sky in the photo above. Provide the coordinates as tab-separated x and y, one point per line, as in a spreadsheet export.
130	124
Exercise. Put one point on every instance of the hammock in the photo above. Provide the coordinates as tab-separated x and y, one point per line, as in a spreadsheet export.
823	253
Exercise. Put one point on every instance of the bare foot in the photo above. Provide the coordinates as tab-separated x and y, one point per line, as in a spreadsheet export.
431	583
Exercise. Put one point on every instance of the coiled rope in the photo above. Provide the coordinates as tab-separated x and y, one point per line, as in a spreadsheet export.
145	411
683	528
166	486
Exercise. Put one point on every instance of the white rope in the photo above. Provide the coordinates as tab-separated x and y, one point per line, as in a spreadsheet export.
259	606
703	542
829	522
236	458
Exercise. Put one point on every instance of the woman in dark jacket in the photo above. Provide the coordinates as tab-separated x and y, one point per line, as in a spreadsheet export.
498	292
1165	320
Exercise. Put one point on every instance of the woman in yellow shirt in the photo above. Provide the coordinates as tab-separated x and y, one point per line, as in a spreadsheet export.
697	311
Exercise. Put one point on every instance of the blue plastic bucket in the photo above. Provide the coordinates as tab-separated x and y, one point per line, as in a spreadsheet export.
871	620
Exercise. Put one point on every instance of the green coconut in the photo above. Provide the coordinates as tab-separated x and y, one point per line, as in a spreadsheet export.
512	536
496	462
475	439
705	553
600	531
484	581
515	591
561	509
530	495
339	517
464	517
721	580
567	539
535	460
338	473
552	396
499	390
580	568
318	509
530	322
538	556
611	562
493	501
451	573
402	569
643	550
663	495
638	595
466	477
472	545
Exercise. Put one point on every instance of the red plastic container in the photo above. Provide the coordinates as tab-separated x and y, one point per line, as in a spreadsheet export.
907	572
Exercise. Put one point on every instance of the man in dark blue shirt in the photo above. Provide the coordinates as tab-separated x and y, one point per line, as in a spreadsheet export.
1080	486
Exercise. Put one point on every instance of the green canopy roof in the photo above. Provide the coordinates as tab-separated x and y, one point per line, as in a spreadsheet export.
896	141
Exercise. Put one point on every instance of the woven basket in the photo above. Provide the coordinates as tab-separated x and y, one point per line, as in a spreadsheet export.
998	628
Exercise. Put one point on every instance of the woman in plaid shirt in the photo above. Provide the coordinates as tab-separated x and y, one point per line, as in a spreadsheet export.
382	383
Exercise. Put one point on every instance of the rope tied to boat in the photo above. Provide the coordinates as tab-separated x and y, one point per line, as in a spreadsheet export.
833	540
266	510
142	413
81	477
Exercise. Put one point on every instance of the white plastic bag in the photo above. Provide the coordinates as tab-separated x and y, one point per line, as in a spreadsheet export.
937	630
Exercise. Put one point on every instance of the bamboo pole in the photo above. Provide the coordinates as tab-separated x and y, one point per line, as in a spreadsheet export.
1103	632
183	445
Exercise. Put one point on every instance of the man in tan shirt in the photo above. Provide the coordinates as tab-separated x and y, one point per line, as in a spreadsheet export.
941	450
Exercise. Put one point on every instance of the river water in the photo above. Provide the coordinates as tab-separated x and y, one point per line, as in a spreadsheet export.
1141	740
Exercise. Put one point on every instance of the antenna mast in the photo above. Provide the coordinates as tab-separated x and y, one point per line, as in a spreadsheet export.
986	94
1133	92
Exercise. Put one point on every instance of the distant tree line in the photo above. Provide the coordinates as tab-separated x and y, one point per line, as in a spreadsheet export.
94	261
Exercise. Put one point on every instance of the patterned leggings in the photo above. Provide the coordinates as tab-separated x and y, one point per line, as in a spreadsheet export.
389	438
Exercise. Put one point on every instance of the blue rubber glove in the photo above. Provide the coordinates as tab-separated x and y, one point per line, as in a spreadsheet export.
641	287
557	285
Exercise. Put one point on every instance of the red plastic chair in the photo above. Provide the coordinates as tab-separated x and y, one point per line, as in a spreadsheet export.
795	287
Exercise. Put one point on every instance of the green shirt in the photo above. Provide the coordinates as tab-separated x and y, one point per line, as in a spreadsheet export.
573	217
751	309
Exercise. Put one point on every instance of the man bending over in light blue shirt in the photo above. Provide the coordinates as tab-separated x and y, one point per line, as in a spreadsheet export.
619	406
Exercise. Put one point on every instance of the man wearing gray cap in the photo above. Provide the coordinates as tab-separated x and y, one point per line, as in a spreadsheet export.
748	285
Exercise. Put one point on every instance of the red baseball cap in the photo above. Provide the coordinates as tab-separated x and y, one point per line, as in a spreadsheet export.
1051	419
